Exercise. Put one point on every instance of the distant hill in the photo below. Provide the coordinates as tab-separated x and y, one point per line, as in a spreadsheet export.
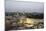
29	15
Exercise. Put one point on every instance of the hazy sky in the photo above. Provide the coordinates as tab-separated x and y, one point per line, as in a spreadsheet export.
26	6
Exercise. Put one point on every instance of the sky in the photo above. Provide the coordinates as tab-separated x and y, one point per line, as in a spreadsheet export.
24	6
